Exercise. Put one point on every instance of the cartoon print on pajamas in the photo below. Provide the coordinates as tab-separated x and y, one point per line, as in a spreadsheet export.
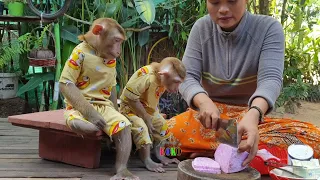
116	127
164	130
111	63
140	132
143	71
106	92
159	91
83	82
76	60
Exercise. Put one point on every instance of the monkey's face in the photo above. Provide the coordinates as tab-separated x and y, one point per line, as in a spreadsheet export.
112	44
108	36
171	82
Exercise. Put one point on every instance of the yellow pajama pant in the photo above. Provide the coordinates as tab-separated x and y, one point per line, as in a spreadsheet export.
140	133
115	121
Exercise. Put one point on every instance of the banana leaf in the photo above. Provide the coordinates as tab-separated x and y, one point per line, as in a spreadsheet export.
70	33
35	81
146	10
143	37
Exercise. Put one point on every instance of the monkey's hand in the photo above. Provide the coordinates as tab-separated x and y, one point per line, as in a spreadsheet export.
97	120
148	120
77	100
113	98
142	113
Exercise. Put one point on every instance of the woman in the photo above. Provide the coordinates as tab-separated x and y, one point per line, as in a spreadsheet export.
239	59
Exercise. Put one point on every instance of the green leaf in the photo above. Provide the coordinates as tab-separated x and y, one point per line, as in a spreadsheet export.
118	5
128	13
299	18
156	2
108	9
129	34
111	9
35	81
146	10
184	35
143	37
129	3
130	22
70	33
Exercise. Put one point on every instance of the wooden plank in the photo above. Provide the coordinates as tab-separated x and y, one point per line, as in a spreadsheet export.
17	139
4	120
19	156
26	141
36	162
13	138
18	151
25	130
9	126
29	174
18	134
40	178
40	164
145	175
31	147
19	146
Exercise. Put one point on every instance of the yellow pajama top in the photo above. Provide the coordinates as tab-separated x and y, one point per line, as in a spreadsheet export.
143	85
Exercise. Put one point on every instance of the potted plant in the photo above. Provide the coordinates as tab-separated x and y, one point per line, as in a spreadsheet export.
41	55
15	7
8	73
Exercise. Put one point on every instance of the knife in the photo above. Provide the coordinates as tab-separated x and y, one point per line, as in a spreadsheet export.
227	132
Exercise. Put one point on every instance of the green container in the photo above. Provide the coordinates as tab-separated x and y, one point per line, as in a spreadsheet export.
16	8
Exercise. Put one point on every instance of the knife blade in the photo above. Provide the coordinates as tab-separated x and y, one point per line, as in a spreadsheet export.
227	132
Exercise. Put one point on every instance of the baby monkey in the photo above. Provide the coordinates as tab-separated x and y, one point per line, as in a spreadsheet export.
139	102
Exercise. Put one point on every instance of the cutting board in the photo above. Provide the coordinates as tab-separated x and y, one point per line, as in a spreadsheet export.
186	172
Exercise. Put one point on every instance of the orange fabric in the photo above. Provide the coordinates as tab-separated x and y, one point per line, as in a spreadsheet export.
188	133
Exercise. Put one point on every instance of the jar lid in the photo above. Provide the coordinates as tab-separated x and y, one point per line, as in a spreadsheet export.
300	151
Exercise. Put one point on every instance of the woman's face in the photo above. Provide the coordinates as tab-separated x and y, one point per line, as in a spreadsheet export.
226	13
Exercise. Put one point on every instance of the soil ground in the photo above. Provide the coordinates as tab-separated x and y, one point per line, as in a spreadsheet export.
309	112
12	106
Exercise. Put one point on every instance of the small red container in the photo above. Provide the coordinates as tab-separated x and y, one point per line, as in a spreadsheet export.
258	162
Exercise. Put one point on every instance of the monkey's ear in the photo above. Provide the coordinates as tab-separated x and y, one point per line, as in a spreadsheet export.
96	30
166	73
177	78
165	70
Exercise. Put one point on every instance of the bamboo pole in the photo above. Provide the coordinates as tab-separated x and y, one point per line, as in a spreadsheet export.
58	67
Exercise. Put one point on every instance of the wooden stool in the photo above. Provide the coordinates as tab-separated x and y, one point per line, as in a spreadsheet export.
58	143
186	172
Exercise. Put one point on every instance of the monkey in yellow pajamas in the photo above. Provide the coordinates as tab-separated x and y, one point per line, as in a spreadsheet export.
88	83
139	102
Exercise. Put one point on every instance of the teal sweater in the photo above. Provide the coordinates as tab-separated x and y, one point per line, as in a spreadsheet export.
235	67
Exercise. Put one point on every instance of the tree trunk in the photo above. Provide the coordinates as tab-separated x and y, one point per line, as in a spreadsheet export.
283	11
264	7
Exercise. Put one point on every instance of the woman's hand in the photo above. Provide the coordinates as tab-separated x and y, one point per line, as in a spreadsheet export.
249	126
209	113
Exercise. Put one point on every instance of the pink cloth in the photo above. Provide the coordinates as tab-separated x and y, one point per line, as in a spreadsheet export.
265	155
